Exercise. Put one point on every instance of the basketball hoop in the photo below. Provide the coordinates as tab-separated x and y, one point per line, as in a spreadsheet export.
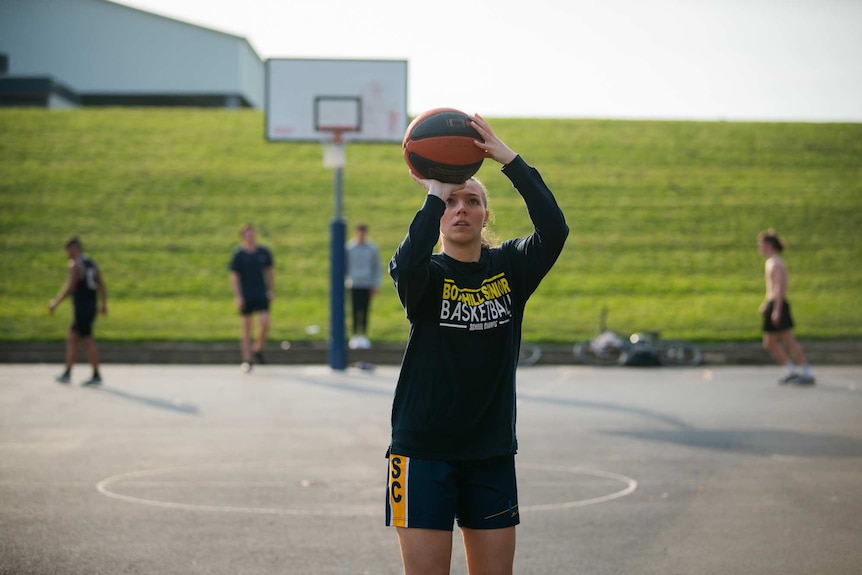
303	95
367	99
336	115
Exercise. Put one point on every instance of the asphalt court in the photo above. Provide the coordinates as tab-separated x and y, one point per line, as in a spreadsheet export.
204	469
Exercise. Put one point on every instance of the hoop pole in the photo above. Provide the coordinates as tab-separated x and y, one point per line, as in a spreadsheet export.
337	237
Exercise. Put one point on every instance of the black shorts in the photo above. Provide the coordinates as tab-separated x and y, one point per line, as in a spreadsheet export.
82	323
256	304
786	319
430	494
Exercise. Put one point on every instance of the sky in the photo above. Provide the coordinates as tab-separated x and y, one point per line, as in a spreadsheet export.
738	60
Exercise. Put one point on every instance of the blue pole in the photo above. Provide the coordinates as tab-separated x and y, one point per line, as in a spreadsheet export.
337	235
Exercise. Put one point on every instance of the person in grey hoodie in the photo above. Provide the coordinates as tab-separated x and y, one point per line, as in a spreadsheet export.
363	275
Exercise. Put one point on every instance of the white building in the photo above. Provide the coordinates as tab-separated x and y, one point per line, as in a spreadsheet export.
96	52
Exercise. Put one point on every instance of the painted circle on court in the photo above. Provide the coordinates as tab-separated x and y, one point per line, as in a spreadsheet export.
269	489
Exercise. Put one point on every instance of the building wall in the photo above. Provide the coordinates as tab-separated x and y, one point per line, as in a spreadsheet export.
98	47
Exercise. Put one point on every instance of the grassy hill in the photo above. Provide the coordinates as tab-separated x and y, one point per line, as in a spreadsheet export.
663	216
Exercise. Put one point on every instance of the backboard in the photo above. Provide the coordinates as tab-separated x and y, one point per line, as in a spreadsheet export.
308	100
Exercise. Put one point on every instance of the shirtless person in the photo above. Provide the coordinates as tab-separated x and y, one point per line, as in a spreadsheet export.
778	337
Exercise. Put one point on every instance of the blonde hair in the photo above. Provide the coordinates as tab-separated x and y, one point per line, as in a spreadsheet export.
489	238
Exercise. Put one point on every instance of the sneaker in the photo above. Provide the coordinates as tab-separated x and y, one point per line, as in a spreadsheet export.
359	342
788	379
804	380
95	380
245	367
258	358
65	378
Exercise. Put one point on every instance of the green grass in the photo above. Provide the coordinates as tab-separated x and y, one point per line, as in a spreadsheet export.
663	217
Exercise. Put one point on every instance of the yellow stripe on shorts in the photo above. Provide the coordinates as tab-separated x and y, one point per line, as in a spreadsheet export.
398	468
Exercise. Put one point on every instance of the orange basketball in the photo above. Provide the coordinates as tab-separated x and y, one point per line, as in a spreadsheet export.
438	145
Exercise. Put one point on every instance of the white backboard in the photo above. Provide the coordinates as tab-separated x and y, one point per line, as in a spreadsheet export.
366	97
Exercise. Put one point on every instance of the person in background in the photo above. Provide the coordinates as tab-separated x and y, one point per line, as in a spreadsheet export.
363	275
252	280
89	295
778	338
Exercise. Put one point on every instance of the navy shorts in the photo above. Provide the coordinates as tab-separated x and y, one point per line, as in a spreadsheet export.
84	317
786	319
431	494
252	305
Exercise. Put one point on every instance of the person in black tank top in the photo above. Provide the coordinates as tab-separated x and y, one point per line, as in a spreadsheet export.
89	296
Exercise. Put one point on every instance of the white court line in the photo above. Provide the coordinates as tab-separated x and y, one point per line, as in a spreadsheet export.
630	487
366	511
102	487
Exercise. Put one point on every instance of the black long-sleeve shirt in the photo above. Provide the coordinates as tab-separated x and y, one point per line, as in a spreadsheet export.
455	397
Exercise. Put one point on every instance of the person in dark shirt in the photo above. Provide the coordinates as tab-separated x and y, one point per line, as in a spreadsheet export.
451	454
253	283
89	295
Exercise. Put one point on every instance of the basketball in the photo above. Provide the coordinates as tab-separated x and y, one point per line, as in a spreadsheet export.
438	145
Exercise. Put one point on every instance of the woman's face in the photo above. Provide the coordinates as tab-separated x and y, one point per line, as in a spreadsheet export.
465	215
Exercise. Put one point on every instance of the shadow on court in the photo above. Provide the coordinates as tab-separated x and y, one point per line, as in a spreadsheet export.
761	442
156	402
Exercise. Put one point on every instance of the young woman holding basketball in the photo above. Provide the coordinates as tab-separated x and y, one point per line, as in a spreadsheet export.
451	455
